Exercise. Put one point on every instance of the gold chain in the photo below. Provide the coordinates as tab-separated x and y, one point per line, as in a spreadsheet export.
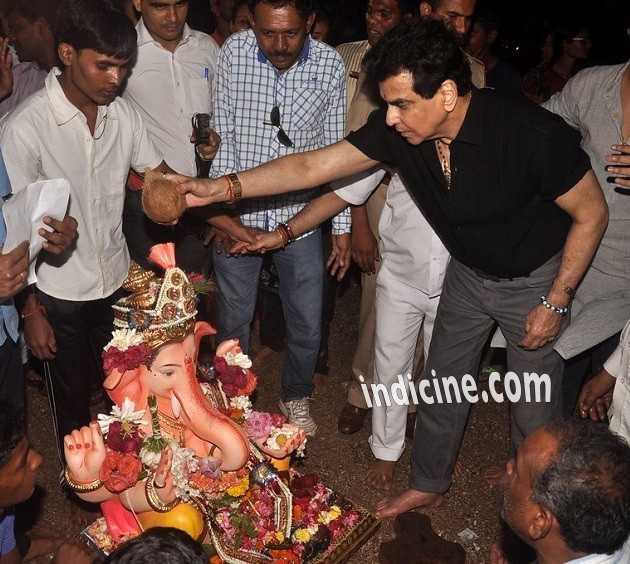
446	168
173	424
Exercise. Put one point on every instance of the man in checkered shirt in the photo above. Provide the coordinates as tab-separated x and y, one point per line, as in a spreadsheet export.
278	92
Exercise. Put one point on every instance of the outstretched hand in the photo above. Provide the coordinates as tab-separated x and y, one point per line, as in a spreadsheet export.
198	191
292	443
266	241
84	450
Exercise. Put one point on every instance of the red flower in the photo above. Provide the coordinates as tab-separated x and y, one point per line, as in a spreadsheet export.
120	471
130	359
124	437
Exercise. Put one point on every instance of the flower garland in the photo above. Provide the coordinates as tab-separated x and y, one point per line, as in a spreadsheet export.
245	509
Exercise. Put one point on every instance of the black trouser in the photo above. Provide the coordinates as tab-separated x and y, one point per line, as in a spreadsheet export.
82	329
581	368
11	374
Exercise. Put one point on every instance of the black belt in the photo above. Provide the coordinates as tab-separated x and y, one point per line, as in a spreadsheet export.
493	278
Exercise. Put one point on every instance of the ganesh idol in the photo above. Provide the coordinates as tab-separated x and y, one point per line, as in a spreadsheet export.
182	438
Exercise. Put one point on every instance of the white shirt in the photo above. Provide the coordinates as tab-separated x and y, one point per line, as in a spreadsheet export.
168	88
410	250
622	556
46	137
618	365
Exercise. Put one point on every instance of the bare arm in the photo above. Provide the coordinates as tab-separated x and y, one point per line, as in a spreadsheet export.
286	174
587	207
310	216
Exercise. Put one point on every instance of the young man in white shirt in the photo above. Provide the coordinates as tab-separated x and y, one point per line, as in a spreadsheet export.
170	81
77	128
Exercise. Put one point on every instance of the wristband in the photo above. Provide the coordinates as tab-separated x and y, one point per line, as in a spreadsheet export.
555	309
234	190
284	236
81	488
289	231
39	308
154	501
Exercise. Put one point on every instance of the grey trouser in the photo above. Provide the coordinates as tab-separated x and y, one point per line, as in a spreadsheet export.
468	308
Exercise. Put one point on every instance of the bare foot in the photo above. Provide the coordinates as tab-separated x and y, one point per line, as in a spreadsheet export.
43	541
381	474
406	501
496	475
458	470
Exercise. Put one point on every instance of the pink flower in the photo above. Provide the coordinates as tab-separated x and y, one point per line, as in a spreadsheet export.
278	420
210	467
258	425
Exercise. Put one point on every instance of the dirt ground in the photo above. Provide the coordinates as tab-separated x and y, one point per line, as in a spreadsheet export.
340	461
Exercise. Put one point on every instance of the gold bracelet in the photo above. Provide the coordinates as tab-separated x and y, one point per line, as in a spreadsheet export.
81	488
153	499
235	189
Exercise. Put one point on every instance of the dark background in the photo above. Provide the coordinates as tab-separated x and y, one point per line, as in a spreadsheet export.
523	25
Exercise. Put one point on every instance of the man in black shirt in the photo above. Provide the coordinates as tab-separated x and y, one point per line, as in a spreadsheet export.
511	194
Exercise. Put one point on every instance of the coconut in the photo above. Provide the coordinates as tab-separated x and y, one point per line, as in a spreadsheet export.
160	201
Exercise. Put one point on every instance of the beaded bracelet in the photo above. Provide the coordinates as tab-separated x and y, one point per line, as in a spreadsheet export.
81	488
555	309
289	231
284	237
283	229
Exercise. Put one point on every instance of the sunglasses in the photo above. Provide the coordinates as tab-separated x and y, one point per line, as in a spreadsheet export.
274	118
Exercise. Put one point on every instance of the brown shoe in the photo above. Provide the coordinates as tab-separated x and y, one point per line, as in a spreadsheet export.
351	419
411	425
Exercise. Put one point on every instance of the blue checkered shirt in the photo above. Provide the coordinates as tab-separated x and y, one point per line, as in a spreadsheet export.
311	96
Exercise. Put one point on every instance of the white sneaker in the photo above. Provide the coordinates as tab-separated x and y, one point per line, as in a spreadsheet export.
298	412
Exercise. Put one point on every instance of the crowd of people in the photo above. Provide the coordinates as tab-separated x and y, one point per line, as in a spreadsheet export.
472	199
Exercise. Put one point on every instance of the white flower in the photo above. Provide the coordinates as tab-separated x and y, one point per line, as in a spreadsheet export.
184	464
123	413
237	359
242	403
123	339
150	458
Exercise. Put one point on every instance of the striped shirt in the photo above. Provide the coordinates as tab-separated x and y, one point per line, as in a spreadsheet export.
352	55
311	96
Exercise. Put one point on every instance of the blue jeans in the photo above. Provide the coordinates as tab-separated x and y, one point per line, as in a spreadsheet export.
301	274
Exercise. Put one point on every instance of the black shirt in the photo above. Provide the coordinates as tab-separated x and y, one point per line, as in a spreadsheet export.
509	161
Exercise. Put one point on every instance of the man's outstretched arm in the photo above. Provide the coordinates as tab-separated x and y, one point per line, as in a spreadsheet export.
286	174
